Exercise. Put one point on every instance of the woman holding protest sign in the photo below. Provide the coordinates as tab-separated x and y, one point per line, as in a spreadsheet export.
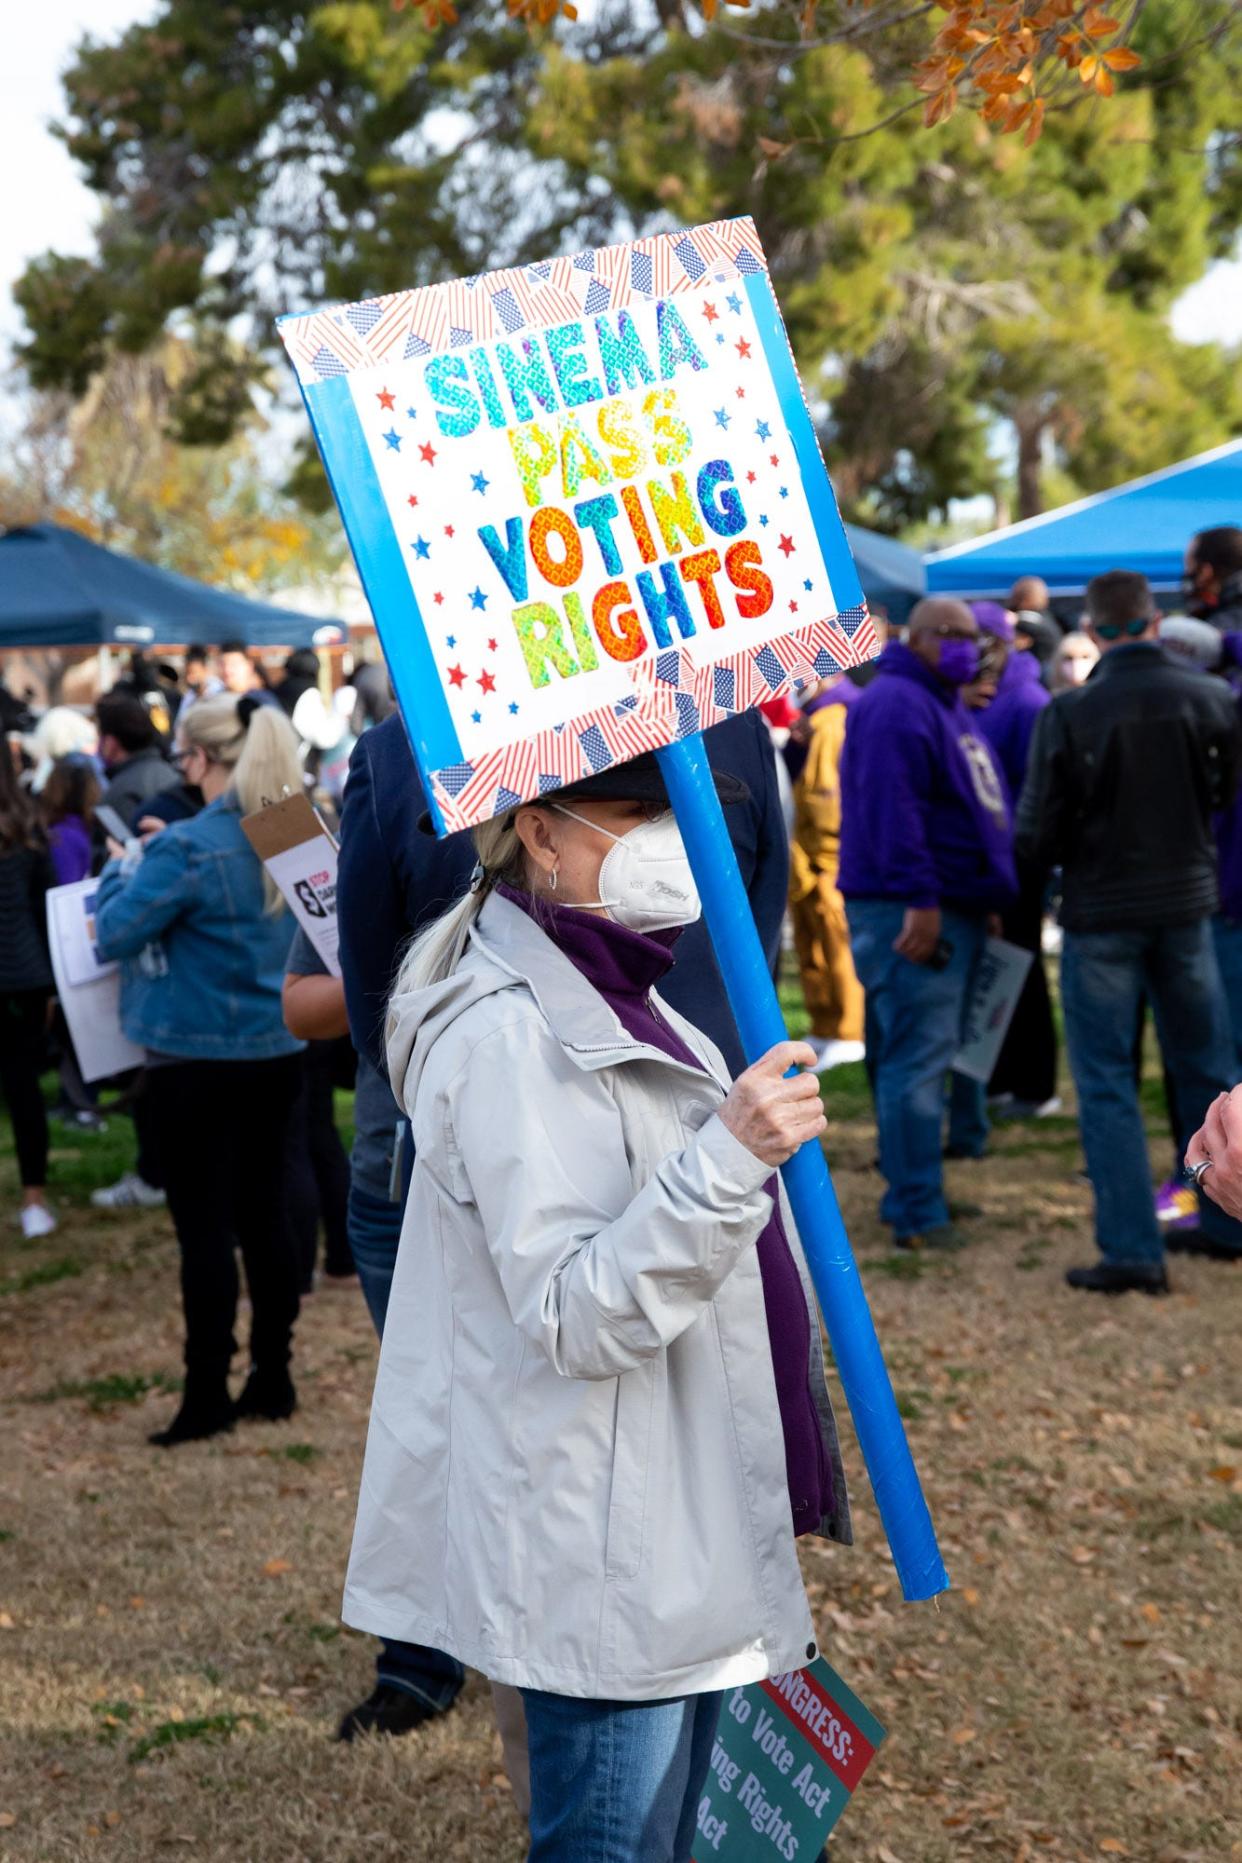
600	1418
203	935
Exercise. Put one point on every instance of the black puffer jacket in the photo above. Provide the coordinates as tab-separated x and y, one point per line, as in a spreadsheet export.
25	875
1124	775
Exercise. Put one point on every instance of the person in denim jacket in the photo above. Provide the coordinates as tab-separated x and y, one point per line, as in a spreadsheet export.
202	936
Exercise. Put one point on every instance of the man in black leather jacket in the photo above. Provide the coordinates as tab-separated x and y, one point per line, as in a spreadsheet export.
1124	775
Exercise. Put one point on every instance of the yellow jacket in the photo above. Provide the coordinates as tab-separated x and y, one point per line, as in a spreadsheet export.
817	803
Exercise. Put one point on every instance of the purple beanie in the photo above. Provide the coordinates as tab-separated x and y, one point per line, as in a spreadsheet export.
993	619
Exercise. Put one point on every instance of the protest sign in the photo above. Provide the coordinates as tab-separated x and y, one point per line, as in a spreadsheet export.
787	1757
591	517
993	999
588	507
89	989
292	841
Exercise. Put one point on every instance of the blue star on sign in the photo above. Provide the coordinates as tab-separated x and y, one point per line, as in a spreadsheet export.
722	417
477	598
479	482
394	439
720	336
762	429
476	717
421	547
411	414
513	707
764	520
734	302
807	583
784	490
451	639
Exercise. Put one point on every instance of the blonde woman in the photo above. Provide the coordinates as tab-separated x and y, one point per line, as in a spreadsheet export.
600	1419
203	937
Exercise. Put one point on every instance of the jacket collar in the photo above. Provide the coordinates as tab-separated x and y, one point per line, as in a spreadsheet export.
576	1013
1129	656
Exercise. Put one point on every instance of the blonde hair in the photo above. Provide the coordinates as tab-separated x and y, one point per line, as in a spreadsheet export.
437	951
259	746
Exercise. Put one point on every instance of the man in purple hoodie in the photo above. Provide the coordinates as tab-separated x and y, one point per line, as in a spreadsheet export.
926	862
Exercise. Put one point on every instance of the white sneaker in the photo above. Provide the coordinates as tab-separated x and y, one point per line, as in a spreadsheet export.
839	1054
130	1192
37	1220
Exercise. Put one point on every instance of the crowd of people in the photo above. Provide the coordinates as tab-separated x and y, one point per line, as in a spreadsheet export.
600	1419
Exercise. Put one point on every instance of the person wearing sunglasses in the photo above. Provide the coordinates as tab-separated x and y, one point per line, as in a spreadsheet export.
1125	773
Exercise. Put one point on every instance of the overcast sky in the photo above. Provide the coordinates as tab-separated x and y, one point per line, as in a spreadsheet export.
46	205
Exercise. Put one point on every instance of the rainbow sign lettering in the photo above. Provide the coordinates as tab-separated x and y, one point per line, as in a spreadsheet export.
587	505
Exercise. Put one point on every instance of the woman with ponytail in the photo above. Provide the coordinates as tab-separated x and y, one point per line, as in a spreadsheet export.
600	1419
202	935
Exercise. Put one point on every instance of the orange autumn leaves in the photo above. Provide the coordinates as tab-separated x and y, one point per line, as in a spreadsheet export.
998	58
993	54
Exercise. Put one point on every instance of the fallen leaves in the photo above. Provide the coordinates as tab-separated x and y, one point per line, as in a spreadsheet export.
276	1568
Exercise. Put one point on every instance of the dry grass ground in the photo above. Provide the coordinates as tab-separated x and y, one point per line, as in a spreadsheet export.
171	1663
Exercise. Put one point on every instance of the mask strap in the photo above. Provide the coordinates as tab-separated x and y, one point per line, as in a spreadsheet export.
581	904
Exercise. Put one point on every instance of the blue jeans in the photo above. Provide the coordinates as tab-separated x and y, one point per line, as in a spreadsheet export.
374	1231
1227	937
616	1781
1103	978
915	1021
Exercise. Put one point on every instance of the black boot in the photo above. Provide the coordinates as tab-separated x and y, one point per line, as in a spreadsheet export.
268	1395
1115	1278
206	1410
386	1710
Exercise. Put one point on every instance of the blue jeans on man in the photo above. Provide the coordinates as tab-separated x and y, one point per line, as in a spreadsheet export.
617	1781
915	1018
374	1225
1104	976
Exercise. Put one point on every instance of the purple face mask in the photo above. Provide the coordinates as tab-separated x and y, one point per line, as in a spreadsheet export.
958	661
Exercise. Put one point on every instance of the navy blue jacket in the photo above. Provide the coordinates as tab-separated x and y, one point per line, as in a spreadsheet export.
394	879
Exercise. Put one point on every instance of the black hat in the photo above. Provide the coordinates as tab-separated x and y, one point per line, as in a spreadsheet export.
639	780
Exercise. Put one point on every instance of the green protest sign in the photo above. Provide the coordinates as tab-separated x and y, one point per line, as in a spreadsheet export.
787	1756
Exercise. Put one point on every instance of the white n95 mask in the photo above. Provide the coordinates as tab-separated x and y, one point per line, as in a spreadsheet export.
645	881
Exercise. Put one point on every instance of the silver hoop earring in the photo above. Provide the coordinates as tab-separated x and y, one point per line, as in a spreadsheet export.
552	881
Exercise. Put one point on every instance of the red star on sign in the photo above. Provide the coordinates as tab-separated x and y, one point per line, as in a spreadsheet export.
487	682
787	545
491	646
775	461
740	393
448	530
742	346
412	499
793	608
437	598
456	676
386	399
710	312
750	478
428	452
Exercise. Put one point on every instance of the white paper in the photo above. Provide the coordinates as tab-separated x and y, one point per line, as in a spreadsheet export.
89	989
306	876
998	985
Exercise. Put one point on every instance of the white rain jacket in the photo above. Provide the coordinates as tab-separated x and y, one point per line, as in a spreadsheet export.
575	1470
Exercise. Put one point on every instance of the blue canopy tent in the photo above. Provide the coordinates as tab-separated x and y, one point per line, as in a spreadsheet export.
892	576
1144	525
58	589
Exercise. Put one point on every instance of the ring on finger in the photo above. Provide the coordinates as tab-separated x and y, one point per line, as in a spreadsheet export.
1196	1171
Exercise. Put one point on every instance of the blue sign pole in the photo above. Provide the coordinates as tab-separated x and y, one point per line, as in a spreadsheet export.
752	994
